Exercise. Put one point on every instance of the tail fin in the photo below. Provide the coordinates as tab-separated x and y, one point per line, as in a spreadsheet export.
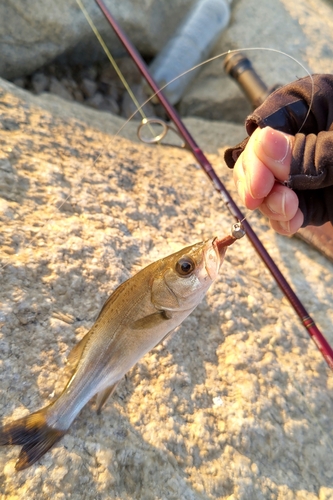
34	434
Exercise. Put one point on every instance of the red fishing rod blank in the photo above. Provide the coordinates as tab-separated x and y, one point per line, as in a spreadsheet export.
304	316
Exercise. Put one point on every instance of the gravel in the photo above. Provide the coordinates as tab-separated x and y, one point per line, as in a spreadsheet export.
97	86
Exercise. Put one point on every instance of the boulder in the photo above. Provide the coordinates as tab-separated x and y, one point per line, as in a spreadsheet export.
33	33
237	404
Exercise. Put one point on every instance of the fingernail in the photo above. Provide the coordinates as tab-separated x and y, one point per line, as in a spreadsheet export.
277	203
275	144
285	226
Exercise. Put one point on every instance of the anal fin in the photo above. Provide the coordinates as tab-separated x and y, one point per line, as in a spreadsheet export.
104	395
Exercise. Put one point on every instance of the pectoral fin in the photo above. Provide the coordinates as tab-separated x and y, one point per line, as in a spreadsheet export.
151	321
103	396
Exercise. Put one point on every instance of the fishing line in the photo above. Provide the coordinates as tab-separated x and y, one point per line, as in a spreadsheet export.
145	121
111	59
308	323
223	54
140	106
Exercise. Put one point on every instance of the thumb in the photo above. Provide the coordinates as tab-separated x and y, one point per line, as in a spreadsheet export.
274	148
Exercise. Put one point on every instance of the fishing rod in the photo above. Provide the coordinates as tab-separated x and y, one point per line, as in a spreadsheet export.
199	155
239	67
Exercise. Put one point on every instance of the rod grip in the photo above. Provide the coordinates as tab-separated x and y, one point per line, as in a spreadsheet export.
240	68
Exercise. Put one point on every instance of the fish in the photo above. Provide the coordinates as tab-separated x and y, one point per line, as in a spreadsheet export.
136	317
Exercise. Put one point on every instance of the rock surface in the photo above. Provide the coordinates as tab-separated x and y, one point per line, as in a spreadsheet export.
33	33
237	405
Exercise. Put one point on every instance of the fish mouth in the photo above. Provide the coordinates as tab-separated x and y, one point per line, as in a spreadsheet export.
219	246
215	252
213	258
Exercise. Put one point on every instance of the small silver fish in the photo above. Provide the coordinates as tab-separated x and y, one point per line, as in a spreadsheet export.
139	314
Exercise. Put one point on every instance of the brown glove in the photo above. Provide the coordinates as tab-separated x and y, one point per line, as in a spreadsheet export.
311	174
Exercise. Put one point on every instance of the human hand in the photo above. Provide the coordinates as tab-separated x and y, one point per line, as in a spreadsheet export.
257	172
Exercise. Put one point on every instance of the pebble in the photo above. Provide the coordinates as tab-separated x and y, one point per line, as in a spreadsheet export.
40	82
96	86
57	88
78	95
88	87
111	105
96	101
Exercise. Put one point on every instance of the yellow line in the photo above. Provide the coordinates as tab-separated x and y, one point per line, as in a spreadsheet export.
111	59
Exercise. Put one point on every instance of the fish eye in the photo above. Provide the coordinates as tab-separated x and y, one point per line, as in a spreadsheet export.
185	266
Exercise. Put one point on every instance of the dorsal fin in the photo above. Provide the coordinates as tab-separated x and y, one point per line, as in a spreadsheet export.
109	300
76	353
